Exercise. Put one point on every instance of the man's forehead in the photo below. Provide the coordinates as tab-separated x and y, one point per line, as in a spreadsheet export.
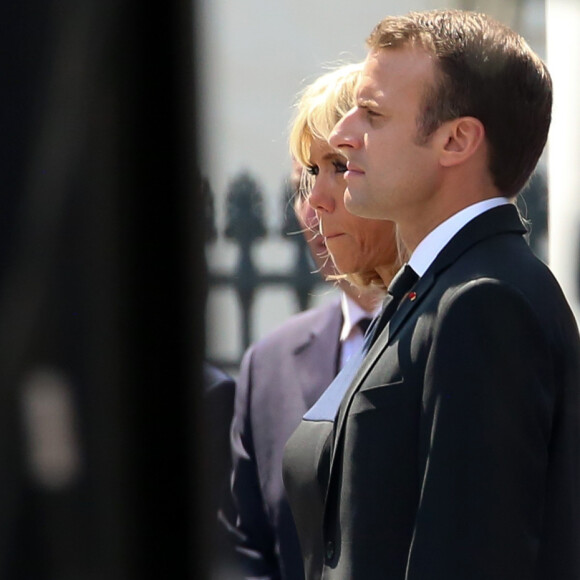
369	84
368	89
386	68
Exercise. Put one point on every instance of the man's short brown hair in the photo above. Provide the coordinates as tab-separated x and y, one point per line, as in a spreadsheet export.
484	70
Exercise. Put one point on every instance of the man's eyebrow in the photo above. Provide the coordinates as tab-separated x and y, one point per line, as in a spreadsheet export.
365	102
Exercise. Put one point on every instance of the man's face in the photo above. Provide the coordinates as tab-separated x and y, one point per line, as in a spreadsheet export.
391	173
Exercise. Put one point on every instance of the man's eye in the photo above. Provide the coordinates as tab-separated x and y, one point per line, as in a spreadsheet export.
312	169
339	166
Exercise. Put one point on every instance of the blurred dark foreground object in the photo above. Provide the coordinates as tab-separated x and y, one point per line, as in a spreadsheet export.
101	293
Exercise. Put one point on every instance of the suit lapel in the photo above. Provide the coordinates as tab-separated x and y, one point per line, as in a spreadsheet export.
407	306
502	219
405	309
315	369
499	220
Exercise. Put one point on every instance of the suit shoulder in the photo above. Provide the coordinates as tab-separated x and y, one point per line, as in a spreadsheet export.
540	308
298	328
514	266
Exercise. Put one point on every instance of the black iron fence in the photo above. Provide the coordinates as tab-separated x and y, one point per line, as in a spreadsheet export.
245	226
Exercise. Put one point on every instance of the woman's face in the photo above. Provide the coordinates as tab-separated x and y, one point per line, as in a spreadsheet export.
356	245
309	221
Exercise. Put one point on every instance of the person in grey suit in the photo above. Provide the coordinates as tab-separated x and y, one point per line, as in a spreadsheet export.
452	451
283	374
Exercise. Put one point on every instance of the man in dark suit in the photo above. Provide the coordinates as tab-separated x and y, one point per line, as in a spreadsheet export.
456	448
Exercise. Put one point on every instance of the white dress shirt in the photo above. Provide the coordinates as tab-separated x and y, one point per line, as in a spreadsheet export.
429	248
351	335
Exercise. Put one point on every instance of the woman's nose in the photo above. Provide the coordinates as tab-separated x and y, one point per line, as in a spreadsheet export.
307	215
320	196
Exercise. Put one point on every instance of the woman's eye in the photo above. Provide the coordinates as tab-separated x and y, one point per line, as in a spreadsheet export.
339	166
312	169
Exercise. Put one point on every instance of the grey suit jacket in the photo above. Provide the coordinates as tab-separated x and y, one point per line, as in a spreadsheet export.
281	377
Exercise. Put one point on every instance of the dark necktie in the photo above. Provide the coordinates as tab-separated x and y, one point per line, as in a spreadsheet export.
364	324
398	288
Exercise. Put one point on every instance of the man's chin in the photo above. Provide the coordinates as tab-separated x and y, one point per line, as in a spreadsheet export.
353	202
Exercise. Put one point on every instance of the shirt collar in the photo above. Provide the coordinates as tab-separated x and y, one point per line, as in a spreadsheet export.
352	313
429	248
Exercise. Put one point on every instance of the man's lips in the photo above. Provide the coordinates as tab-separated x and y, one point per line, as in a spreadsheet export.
352	170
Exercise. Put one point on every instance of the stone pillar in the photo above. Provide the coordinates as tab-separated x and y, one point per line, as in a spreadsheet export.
563	56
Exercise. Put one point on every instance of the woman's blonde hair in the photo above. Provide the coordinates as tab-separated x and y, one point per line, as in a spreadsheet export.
319	108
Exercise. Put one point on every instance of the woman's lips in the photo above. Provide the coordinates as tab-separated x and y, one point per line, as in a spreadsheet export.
319	242
332	236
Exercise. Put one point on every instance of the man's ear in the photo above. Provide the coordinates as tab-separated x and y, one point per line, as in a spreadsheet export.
462	138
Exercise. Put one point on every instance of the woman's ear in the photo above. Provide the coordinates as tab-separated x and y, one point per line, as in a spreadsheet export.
463	138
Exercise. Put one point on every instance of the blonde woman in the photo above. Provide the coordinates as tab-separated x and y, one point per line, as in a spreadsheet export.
363	250
285	373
